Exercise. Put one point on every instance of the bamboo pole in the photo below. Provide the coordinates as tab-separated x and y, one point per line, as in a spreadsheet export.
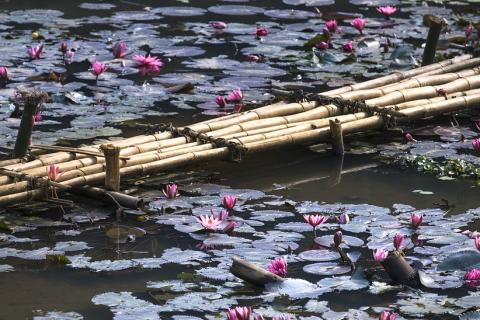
436	26
336	133
112	167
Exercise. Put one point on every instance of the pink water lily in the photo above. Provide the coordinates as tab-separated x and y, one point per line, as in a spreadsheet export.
348	47
229	201
4	73
70	55
477	243
409	138
35	52
359	24
278	266
472	277
209	222
387	11
53	172
469	31
254	58
322	45
387	315
331	25
338	238
344	218
38	117
315	219
380	255
119	50
261	32
230	227
476	145
416	220
63	48
221	101
398	241
239	313
148	64
222	215
218	25
235	96
97	68
170	191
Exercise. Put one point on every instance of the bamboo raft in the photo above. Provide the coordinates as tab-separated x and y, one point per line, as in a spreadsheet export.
439	88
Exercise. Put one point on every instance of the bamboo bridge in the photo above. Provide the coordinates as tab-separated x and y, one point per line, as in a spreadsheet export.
439	88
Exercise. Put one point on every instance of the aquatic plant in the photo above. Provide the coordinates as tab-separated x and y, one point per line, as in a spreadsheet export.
148	64
469	30
359	24
338	239
398	241
209	222
380	255
97	68
387	315
235	96
477	242
278	266
472	277
348	47
218	25
315	220
343	218
239	313
415	220
119	50
53	172
322	45
222	215
229	201
230	227
170	191
387	11
261	32
4	74
331	25
63	48
221	101
476	145
35	52
409	138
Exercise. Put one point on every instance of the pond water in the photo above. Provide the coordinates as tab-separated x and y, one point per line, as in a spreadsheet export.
161	265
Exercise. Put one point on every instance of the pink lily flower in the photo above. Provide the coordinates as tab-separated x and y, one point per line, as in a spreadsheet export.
254	58
230	227
408	137
38	117
348	47
235	96
209	222
331	25
322	45
380	255
415	220
315	220
220	101
63	47
398	241
220	25
119	50
387	11
70	55
477	243
476	145
261	32
4	73
97	68
148	64
222	216
469	31
278	266
344	218
53	172
239	313
229	201
338	238
472	277
35	52
387	315
359	24
170	191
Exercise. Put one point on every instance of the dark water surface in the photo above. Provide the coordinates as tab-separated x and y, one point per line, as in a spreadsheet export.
288	183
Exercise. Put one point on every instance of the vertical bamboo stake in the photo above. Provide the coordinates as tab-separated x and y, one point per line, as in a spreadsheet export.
436	25
31	99
112	165
336	134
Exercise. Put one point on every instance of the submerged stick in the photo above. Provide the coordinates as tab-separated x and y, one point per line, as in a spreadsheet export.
252	273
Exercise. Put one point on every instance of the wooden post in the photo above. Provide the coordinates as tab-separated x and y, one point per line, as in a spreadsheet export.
336	134
112	167
436	25
399	270
31	100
